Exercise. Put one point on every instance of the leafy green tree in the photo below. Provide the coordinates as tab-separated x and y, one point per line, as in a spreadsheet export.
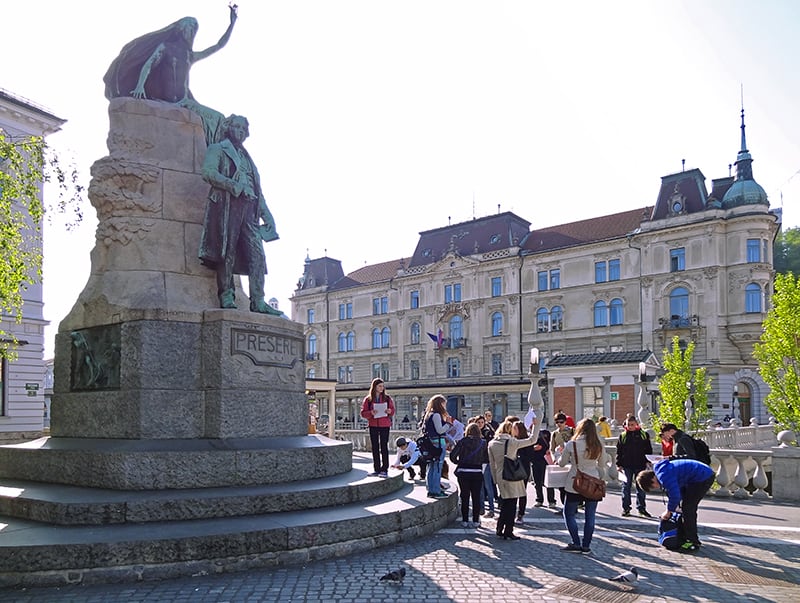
787	252
778	352
678	383
25	165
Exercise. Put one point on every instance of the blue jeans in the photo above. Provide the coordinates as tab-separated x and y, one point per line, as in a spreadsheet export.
487	492
630	478
570	514
434	477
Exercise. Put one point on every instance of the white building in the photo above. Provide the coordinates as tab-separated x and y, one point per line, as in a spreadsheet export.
22	381
596	297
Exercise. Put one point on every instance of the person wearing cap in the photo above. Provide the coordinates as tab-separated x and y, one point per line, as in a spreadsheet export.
407	457
686	482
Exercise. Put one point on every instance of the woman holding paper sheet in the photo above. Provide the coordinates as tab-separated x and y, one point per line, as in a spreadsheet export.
378	410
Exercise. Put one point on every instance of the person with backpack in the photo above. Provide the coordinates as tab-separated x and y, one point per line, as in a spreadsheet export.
470	454
435	425
686	482
684	446
633	446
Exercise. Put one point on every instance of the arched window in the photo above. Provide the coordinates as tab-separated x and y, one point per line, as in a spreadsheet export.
679	307
415	331
542	320
497	324
615	313
351	341
752	298
455	329
386	337
342	339
600	314
376	339
556	318
312	344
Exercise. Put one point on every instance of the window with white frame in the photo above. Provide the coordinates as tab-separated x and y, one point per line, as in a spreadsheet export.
753	250
351	341
453	367
497	286
311	345
414	299
380	370
677	259
415	333
342	342
497	324
414	370
615	312
386	337
452	293
752	298
310	316
556	318
600	314
376	339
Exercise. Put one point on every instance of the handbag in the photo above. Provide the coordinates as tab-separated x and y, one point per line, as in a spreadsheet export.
513	469
588	486
555	476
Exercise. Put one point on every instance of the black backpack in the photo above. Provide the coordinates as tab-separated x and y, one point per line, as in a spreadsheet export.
702	451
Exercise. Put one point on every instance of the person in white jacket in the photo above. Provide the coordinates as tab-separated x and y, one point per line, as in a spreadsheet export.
585	452
504	444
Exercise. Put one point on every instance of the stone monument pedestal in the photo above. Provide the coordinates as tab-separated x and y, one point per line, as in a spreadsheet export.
179	430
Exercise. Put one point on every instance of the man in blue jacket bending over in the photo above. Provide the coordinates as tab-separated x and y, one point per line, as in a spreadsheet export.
686	482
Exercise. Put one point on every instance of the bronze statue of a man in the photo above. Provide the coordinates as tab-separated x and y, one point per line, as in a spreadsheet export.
156	66
232	240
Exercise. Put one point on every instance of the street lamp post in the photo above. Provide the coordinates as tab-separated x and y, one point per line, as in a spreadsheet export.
735	403
535	400
688	407
643	413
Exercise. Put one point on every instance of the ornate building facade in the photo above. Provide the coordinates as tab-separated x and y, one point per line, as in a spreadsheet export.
596	297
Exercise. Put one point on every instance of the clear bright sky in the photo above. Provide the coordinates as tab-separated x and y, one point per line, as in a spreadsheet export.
371	121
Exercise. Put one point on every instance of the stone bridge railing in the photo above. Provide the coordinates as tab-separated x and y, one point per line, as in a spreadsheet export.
741	456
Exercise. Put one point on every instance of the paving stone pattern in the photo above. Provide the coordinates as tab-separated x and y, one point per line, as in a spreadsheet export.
739	561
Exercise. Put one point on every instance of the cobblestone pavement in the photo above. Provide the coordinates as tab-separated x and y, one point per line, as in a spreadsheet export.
755	561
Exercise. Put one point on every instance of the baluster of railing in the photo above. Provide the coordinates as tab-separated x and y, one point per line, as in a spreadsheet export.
760	480
723	477
740	479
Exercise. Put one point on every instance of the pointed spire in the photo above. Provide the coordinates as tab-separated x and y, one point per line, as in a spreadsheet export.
744	141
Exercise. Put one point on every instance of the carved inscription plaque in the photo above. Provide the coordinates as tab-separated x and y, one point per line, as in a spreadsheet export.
267	349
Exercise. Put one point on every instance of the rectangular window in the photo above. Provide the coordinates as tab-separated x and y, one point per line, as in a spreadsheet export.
376	370
677	259
453	367
497	286
613	270
452	293
765	251
414	299
542	277
380	370
346	311
497	364
753	250
341	311
342	374
380	305
599	272
414	370
555	279
310	316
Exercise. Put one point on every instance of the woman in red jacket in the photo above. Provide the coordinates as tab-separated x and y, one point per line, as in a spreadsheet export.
378	410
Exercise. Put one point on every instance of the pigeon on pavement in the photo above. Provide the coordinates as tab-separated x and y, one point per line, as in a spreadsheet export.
631	575
395	576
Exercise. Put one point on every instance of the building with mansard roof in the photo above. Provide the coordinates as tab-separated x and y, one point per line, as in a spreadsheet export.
22	380
596	297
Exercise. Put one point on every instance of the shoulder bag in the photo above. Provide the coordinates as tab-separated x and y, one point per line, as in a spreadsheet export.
513	469
591	488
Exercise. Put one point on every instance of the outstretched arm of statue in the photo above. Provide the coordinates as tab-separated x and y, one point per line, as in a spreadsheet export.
197	56
154	60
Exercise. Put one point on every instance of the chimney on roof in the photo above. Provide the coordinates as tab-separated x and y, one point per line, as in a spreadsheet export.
683	165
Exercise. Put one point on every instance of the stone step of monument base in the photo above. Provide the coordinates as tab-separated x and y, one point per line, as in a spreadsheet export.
38	554
76	505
